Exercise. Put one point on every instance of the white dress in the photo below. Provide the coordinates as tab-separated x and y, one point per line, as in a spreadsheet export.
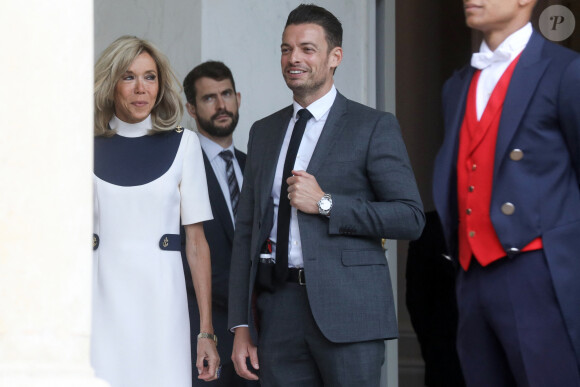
143	185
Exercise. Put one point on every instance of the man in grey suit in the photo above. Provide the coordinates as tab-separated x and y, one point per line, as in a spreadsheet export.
317	204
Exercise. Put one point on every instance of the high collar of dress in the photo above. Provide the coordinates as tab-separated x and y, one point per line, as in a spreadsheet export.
131	130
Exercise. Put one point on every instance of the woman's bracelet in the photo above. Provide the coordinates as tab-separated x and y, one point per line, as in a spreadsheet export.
205	335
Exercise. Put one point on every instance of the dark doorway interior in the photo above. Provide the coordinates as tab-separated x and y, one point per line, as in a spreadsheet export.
431	42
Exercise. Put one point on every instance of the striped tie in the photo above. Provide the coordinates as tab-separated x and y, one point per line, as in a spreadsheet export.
233	187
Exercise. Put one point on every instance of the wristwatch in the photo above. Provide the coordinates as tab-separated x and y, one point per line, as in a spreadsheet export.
325	205
205	335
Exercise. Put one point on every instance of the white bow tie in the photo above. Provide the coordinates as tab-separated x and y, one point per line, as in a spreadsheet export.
481	60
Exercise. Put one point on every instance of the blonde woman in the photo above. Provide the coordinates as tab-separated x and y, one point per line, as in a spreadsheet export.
148	175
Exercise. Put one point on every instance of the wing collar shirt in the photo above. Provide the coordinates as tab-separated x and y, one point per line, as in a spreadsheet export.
493	63
319	109
212	151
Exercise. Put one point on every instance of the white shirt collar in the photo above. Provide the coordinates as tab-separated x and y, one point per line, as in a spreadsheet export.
319	107
212	149
511	47
131	130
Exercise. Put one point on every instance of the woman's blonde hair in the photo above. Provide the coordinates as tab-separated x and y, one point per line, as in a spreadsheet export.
113	63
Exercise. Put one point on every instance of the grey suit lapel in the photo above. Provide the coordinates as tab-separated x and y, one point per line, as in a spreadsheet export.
334	125
271	153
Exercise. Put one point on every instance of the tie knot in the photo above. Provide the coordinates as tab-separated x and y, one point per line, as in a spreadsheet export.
304	114
227	155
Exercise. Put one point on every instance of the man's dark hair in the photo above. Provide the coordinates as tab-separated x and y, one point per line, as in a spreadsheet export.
211	69
310	13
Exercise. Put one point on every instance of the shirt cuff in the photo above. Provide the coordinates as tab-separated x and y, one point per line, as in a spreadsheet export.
238	326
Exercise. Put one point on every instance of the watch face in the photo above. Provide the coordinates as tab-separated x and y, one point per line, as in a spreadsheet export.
325	204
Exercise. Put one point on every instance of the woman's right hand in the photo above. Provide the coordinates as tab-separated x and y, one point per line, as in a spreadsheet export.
207	350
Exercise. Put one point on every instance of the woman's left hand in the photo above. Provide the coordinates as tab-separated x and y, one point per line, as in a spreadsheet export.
206	350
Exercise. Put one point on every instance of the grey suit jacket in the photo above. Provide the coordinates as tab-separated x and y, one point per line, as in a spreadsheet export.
362	161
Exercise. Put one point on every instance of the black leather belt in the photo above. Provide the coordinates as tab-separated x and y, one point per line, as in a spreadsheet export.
296	275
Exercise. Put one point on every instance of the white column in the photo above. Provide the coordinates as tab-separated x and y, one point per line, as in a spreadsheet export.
45	193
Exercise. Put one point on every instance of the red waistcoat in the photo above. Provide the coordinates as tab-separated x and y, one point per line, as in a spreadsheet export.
475	164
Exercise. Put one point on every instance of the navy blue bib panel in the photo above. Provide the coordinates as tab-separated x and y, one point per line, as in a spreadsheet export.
128	162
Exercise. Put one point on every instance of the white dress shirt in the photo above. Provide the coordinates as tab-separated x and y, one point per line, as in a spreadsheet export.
493	64
212	151
319	110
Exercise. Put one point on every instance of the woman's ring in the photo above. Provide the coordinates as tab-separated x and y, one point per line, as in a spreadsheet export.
289	197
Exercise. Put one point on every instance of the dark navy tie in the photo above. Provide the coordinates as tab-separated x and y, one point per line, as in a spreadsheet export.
233	187
284	209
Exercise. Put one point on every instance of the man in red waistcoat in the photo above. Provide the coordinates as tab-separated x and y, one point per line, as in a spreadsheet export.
506	186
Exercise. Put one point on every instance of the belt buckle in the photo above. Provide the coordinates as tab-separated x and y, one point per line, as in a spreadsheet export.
301	278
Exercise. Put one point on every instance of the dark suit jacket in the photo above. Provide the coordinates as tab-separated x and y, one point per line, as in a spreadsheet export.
219	233
541	117
360	159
